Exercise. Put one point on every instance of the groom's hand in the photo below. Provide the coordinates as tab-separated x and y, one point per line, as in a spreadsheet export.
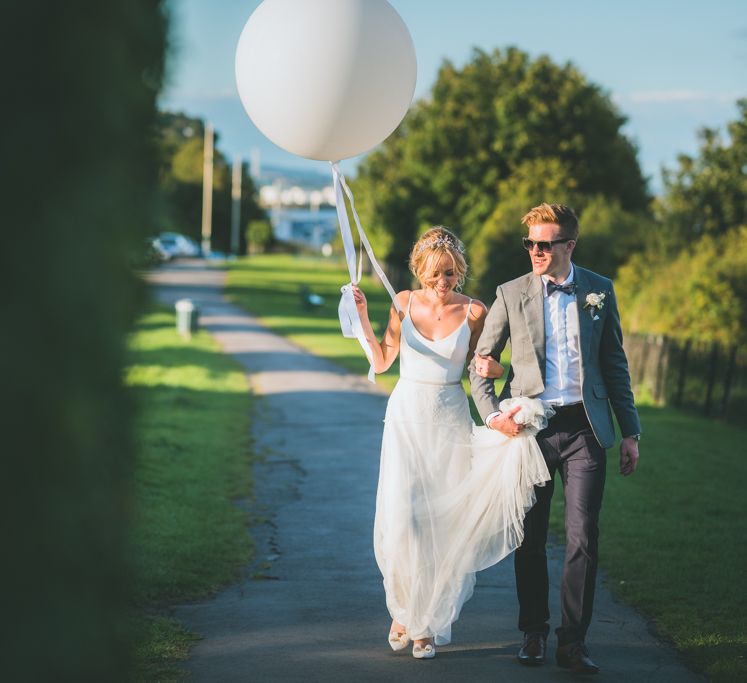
504	423
628	455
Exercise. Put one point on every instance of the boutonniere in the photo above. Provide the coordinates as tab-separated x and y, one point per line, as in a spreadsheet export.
595	303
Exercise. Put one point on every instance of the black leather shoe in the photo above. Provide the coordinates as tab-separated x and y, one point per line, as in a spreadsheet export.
532	652
575	657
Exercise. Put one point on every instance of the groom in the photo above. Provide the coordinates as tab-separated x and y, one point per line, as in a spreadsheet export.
566	348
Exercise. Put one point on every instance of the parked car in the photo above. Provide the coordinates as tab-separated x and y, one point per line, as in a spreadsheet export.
178	245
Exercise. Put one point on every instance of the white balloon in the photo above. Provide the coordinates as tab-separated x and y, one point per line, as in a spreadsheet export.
326	79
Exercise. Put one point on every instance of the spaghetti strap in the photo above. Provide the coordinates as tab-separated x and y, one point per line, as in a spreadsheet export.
469	305
409	302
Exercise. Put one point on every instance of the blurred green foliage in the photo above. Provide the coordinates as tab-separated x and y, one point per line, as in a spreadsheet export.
181	143
696	293
81	81
690	281
258	236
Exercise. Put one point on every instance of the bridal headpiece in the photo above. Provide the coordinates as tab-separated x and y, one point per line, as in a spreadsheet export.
440	241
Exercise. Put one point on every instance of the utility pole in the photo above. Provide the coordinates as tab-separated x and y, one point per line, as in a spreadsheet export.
207	190
235	205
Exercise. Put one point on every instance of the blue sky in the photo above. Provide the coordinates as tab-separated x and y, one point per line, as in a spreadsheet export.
671	67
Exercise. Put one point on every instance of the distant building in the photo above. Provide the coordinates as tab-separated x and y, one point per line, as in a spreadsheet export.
301	205
311	228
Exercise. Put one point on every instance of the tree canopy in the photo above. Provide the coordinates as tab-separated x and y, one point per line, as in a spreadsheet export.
460	154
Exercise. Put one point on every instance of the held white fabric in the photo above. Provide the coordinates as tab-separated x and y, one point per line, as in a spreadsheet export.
350	322
562	346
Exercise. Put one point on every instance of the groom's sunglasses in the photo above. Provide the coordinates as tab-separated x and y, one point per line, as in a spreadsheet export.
543	245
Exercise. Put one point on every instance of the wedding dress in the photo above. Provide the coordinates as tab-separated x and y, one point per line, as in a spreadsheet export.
451	496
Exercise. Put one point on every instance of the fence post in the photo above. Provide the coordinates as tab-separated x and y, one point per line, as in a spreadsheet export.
711	379
661	369
645	342
728	377
681	374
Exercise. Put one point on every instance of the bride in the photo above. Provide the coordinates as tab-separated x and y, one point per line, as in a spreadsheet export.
451	497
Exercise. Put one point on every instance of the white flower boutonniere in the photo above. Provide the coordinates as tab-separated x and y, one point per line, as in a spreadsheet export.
595	303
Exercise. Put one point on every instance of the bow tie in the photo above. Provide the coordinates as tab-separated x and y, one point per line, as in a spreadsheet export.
570	288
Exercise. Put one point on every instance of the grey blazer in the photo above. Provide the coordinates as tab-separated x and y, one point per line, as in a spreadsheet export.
518	314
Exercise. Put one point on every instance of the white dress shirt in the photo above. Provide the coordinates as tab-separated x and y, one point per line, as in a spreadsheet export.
562	347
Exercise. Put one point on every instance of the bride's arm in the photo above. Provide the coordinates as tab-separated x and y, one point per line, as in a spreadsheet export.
486	366
386	350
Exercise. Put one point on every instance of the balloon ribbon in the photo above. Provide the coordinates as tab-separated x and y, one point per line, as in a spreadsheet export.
350	322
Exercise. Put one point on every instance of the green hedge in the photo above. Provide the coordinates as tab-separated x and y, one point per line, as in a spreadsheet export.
80	85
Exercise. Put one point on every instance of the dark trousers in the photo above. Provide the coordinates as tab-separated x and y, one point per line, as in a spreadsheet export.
570	448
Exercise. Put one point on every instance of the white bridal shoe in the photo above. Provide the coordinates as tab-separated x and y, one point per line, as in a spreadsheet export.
424	651
398	641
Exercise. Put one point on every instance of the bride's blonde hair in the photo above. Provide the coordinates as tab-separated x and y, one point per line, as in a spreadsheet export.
433	244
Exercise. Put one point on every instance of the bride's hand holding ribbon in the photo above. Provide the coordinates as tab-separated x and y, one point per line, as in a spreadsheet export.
360	300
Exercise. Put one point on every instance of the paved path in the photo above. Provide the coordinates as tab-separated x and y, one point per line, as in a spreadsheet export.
312	606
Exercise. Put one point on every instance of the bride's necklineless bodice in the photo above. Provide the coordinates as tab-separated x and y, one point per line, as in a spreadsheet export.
433	361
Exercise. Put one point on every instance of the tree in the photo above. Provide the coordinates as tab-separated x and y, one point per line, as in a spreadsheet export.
449	160
707	194
258	236
691	281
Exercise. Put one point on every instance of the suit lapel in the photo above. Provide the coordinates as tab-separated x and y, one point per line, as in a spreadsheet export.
585	322
533	306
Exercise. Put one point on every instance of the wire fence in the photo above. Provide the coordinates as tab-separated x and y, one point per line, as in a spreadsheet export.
708	377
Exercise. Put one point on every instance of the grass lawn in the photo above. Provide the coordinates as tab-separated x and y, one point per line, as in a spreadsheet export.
193	461
672	540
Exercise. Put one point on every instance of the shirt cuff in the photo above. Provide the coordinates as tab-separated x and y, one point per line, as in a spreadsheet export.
490	417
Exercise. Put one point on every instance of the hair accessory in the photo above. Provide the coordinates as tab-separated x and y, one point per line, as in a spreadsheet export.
440	242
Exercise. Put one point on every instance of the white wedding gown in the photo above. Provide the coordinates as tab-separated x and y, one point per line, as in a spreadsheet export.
452	497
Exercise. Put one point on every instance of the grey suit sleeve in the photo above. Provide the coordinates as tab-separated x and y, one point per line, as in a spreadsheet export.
614	366
492	341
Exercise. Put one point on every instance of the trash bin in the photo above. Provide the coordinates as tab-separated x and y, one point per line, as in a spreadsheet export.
187	317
